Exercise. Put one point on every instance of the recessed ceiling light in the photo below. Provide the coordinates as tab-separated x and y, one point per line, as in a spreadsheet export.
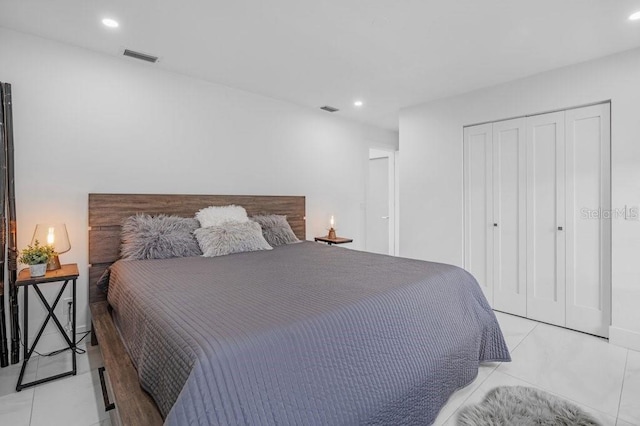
111	23
358	103
635	16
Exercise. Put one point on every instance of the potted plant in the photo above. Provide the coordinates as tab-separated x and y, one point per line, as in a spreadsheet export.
36	257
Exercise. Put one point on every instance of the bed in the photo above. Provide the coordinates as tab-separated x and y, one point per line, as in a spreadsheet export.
301	334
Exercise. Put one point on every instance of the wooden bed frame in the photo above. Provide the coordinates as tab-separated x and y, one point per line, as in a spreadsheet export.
106	213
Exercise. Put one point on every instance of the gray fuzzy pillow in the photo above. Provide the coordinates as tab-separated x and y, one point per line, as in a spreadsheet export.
231	237
158	237
276	230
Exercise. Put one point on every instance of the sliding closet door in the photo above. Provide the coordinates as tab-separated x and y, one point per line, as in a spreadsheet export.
545	218
509	213
478	206
588	232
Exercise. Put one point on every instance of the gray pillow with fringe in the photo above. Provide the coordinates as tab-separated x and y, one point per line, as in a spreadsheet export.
103	281
158	237
276	229
231	237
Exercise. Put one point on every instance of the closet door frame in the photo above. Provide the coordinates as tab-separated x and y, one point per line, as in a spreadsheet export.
485	225
583	314
509	286
546	298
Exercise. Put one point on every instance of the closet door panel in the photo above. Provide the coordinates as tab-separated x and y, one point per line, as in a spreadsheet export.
545	218
588	226
478	203
509	185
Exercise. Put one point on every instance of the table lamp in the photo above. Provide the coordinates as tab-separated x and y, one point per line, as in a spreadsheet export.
332	231
55	236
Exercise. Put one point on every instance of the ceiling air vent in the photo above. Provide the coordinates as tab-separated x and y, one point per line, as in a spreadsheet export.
141	56
329	108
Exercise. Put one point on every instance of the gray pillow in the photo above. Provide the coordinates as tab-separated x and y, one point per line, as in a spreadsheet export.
276	230
158	237
231	237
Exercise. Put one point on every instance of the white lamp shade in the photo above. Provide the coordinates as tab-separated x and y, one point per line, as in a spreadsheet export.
53	235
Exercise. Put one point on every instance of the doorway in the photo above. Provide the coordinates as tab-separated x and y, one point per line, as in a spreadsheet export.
381	204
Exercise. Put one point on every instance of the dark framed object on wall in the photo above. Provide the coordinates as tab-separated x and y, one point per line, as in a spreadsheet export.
8	228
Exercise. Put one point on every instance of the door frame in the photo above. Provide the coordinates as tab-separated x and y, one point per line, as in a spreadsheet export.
392	156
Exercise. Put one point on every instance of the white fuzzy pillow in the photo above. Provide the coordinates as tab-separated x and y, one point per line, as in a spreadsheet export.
232	237
217	215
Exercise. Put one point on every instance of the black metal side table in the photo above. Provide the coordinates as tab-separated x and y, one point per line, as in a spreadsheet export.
66	273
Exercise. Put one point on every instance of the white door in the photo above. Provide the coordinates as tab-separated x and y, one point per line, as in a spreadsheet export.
545	218
478	206
588	233
509	216
378	214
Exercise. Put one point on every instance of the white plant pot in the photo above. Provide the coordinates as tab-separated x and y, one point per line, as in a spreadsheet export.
38	270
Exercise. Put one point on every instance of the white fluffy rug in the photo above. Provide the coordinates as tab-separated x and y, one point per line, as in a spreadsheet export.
523	406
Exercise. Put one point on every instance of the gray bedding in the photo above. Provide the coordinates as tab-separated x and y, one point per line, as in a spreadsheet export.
304	334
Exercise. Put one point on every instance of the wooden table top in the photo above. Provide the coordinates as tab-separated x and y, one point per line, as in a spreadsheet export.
336	240
66	272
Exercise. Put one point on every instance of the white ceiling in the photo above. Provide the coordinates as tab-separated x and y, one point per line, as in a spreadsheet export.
389	53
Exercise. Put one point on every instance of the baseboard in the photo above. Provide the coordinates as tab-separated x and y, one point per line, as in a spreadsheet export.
625	338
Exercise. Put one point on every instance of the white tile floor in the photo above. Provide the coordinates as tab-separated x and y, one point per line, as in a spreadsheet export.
75	400
602	378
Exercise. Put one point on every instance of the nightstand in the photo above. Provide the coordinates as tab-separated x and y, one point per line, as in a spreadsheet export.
331	241
66	273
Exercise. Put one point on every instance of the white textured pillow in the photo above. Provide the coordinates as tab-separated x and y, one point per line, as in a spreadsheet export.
217	215
232	237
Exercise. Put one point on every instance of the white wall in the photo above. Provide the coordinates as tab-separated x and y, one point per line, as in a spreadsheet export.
431	165
86	122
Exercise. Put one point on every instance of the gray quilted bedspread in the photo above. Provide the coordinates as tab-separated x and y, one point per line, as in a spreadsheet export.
304	334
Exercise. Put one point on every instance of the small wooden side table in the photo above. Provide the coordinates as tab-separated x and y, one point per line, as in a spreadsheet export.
66	273
331	241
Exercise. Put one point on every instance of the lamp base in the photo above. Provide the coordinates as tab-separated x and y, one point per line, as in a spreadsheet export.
54	263
332	234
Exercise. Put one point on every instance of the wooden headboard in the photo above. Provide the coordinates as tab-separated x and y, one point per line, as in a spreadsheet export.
107	211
